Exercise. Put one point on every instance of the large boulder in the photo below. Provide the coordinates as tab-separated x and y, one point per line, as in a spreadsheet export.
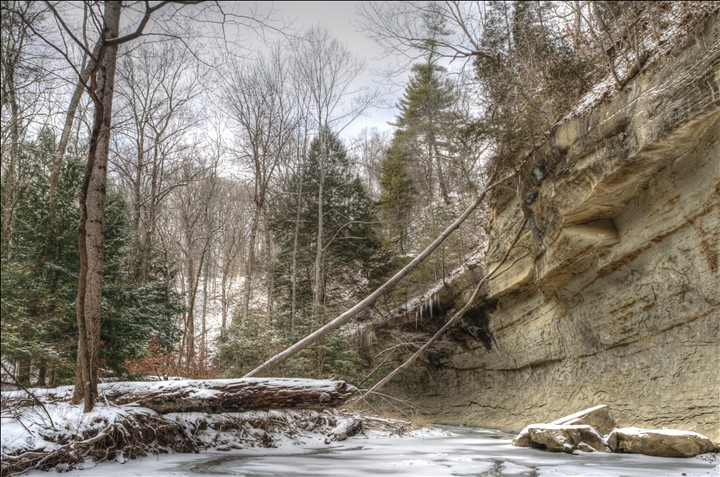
560	438
599	417
663	443
523	438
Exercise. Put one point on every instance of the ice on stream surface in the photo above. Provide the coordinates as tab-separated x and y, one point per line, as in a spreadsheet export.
453	452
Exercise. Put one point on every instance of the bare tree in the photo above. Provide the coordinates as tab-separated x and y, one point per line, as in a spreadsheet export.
21	74
157	86
260	103
370	147
193	231
234	212
92	206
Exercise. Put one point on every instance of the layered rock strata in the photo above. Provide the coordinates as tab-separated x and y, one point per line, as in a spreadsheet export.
613	294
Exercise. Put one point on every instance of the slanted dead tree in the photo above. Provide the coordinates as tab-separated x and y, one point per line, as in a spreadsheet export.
345	317
458	315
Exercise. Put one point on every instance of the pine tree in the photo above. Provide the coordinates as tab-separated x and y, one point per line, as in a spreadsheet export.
398	193
349	237
426	125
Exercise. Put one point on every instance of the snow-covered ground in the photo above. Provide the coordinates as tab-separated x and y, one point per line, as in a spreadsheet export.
453	451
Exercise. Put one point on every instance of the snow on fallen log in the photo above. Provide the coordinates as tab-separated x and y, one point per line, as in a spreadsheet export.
346	428
209	396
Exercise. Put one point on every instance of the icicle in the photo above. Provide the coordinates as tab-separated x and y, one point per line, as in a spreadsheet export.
416	319
432	305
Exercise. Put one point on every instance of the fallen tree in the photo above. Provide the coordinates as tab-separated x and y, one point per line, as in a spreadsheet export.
459	314
368	301
209	396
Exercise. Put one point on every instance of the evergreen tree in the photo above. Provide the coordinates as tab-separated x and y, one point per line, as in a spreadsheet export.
350	245
425	127
398	193
39	280
349	236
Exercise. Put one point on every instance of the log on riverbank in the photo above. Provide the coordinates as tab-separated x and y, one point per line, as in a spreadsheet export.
209	396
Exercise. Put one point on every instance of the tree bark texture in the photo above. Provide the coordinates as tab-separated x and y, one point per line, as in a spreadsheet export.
92	214
211	396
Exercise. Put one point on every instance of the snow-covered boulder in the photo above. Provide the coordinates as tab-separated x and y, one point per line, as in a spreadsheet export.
566	431
561	438
599	417
523	438
662	443
567	438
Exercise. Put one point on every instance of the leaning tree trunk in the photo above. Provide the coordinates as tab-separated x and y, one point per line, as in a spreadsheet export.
457	316
370	299
92	210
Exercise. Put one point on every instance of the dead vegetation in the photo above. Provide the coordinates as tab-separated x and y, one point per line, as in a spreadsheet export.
120	433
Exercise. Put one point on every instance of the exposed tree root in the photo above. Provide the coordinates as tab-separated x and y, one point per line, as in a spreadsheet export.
135	432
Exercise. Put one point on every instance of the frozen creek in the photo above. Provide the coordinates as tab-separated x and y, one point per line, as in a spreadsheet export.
453	452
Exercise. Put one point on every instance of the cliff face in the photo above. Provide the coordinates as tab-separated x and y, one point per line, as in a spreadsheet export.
613	295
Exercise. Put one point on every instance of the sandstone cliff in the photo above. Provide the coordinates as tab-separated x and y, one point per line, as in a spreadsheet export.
614	295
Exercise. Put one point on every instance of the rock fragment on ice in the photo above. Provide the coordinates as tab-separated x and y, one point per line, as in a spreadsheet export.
661	443
566	438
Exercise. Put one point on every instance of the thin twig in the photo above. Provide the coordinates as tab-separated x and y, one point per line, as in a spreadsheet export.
29	393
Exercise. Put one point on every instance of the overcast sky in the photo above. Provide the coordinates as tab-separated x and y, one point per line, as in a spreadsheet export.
340	19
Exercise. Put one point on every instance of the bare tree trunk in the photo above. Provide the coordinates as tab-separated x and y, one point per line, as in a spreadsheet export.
63	144
135	249
92	208
470	303
151	225
318	276
203	323
247	286
9	198
438	163
190	319
224	305
293	271
370	299
268	271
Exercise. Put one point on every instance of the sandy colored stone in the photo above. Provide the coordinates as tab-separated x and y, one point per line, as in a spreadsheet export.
566	438
598	417
523	439
661	443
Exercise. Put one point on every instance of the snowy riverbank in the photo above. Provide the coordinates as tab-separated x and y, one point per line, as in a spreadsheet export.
420	453
48	433
42	430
